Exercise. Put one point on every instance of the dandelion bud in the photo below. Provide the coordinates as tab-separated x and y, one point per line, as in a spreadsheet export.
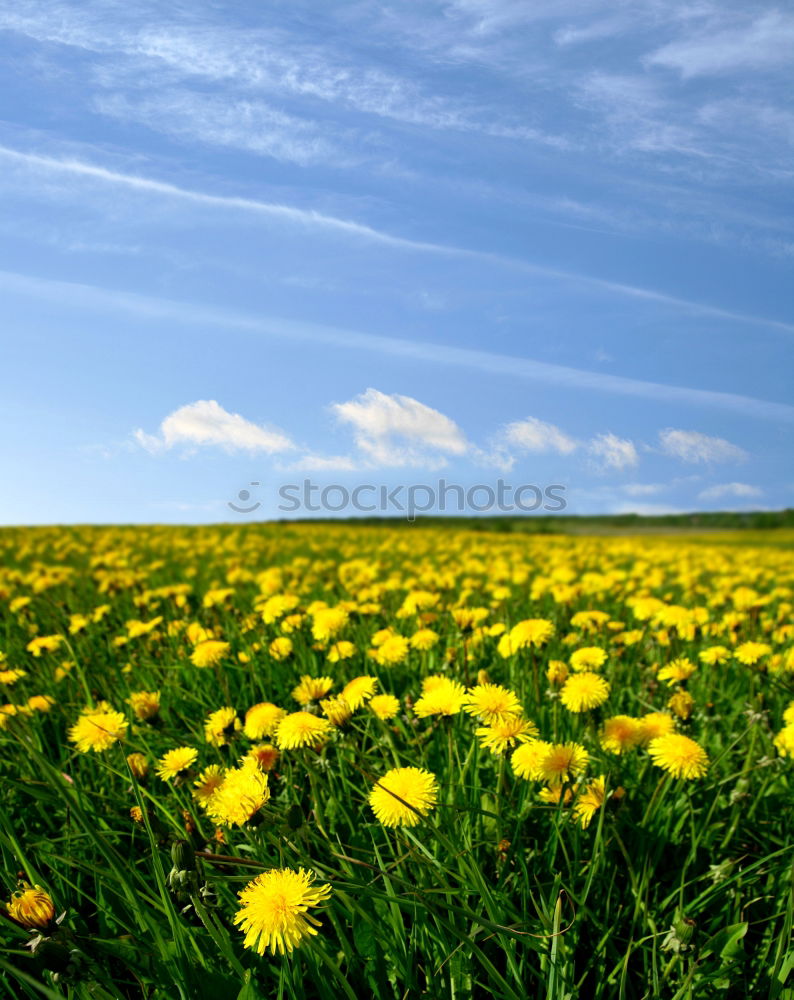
32	907
183	856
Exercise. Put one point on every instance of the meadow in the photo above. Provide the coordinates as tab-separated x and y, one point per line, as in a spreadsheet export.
348	761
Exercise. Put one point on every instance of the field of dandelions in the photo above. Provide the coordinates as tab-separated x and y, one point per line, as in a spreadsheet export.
366	761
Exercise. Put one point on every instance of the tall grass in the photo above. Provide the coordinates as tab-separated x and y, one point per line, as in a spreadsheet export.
677	889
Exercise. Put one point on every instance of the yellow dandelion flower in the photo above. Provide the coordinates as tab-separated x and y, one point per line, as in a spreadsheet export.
301	729
139	766
32	907
77	623
174	763
336	710
221	726
679	756
714	655
504	735
584	691
262	719
326	622
209	653
359	690
385	706
40	702
280	648
136	814
621	733
98	730
563	762
587	658
681	704
677	670
526	760
12	676
750	653
292	623
342	650
275	607
240	795
557	672
433	681
492	703
312	689
784	741
467	618
391	651
145	704
552	794
403	796
44	644
655	724
219	595
274	909
589	801
442	696
207	783
532	632
424	639
265	755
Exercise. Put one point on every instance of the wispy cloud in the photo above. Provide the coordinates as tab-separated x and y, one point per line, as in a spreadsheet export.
644	489
317	220
645	509
762	44
74	295
268	61
239	124
612	452
323	463
722	490
694	447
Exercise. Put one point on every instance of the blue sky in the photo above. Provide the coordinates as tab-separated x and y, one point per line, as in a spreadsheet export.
387	243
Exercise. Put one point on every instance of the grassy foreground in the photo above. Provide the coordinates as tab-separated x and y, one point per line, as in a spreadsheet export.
581	785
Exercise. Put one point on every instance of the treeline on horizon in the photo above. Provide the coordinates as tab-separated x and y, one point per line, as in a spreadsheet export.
755	520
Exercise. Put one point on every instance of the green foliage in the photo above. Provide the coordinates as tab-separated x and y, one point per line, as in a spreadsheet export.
675	890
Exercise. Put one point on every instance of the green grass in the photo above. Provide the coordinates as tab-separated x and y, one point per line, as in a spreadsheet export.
677	889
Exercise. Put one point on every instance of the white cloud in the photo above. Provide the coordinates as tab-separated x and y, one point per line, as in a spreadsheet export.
720	490
241	124
763	44
394	430
694	447
646	509
643	489
205	423
75	295
68	166
612	452
324	463
536	436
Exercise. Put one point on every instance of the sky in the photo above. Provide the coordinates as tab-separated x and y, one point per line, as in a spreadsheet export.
246	246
